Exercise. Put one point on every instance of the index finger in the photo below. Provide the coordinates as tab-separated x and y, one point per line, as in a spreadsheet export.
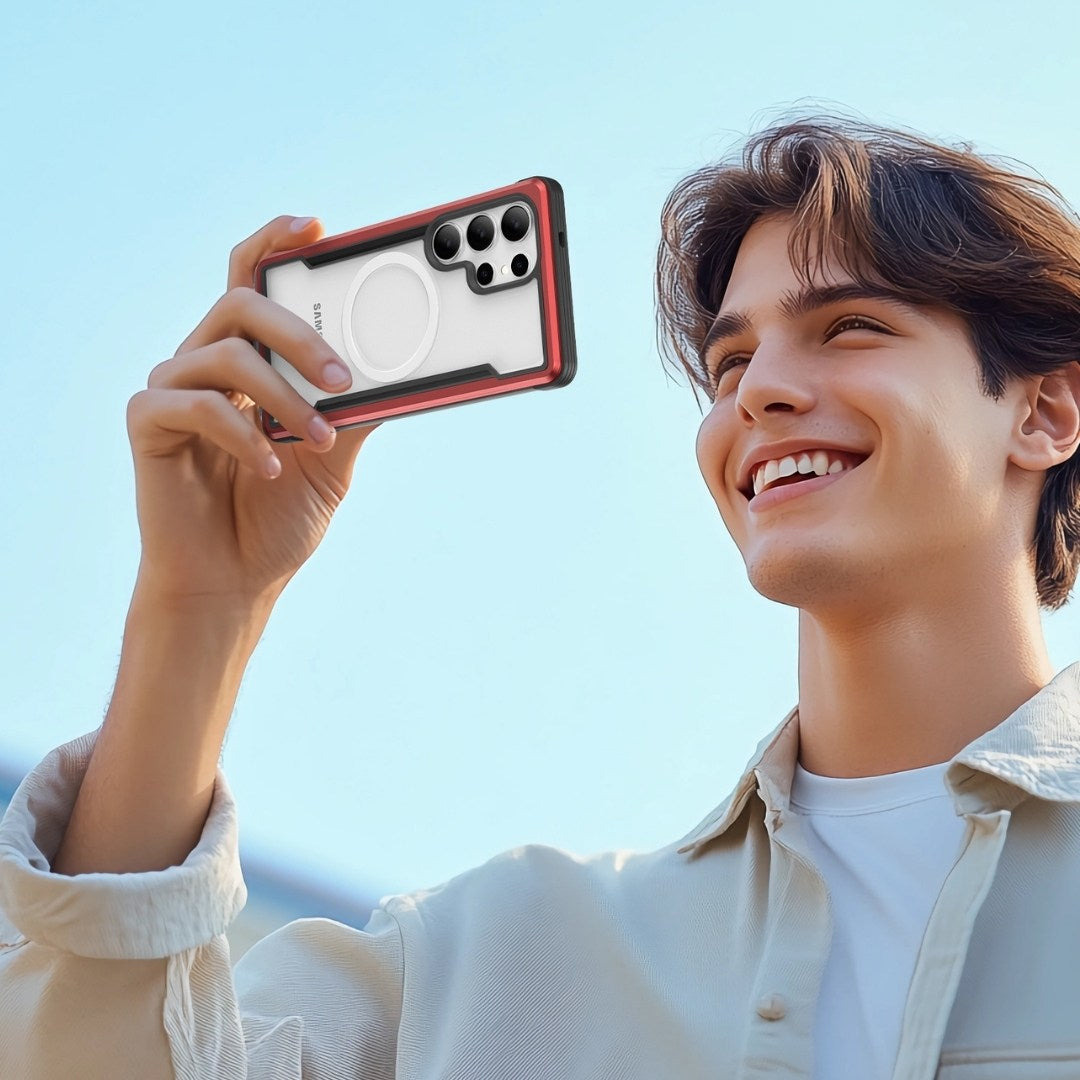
278	235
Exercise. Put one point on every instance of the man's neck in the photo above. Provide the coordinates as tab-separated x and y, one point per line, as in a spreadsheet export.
914	687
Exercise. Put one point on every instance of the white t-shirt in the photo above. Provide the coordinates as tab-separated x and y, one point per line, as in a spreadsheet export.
885	845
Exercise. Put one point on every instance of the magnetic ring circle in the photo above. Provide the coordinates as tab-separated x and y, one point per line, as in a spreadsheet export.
390	316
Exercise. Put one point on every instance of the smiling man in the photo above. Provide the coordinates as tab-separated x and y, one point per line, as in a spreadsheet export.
908	554
888	331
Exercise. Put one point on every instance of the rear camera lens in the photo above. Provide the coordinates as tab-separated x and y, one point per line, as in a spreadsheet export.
484	273
515	223
481	232
446	242
520	265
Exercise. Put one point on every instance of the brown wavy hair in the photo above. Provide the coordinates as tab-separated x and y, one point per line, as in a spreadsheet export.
938	223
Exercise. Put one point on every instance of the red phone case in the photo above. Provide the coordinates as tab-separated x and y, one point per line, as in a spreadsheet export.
423	332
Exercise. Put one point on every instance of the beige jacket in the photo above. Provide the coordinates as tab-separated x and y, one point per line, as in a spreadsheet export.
699	960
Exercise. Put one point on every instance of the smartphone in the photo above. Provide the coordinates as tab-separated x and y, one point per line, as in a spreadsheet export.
458	303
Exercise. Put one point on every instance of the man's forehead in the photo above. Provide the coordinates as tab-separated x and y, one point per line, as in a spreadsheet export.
763	259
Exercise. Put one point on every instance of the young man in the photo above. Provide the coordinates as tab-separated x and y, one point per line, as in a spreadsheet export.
888	891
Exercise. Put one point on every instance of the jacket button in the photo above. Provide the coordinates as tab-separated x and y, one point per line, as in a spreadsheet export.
772	1007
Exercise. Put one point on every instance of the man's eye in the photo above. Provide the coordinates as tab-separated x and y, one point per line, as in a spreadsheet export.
728	362
848	322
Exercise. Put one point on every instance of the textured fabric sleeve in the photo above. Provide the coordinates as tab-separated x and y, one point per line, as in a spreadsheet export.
129	975
326	991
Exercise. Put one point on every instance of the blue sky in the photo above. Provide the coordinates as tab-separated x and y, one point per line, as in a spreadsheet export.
527	622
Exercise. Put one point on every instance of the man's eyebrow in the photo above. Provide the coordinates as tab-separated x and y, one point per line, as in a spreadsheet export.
794	304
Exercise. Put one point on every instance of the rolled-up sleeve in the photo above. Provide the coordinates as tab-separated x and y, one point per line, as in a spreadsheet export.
129	975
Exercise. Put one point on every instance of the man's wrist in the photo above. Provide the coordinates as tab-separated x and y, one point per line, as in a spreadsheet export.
238	615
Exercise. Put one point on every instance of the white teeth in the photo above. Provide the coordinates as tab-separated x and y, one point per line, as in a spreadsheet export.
788	466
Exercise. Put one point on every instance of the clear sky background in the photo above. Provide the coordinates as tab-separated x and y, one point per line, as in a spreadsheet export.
527	622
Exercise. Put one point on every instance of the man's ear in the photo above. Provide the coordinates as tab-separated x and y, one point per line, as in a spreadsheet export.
1050	419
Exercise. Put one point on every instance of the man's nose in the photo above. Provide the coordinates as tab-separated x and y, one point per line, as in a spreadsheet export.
779	375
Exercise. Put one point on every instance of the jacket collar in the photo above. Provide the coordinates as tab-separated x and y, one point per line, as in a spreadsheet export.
1033	752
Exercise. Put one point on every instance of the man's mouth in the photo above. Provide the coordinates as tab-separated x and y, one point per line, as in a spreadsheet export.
823	463
791	487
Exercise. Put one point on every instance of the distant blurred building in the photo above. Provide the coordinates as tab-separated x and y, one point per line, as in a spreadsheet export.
275	895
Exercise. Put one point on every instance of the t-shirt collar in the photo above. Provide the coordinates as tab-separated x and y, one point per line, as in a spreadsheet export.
1034	752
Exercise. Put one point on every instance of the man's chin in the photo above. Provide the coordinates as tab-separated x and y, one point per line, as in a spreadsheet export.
806	580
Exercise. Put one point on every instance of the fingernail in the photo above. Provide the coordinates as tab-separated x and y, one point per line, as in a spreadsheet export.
336	375
319	429
300	224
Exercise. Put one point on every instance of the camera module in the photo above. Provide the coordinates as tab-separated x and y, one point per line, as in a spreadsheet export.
481	232
484	273
515	223
520	265
446	241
